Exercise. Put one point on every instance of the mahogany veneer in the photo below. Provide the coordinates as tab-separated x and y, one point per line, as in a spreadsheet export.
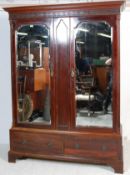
62	140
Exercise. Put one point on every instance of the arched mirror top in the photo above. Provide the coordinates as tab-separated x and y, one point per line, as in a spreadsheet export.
31	38
33	32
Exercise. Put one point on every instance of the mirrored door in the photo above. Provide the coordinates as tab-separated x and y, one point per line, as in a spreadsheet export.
93	67
33	74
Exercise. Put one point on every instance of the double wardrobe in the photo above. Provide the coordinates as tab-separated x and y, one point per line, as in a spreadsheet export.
65	61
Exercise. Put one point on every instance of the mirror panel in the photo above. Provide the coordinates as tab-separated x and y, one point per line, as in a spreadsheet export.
33	74
93	67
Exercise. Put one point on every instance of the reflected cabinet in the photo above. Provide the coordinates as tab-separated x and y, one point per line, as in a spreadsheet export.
66	83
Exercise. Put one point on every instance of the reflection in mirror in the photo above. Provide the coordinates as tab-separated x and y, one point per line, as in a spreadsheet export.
33	74
93	62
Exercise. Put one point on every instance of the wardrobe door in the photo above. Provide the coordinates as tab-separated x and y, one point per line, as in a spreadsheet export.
62	72
34	74
95	73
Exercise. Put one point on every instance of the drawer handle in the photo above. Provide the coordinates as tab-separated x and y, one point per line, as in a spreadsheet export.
104	148
49	144
24	142
77	145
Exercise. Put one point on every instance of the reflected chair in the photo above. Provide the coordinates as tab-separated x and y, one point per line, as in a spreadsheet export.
84	89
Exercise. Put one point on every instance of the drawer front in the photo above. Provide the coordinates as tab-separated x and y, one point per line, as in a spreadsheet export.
36	143
90	147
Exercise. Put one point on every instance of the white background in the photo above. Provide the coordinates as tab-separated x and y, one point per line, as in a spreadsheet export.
5	76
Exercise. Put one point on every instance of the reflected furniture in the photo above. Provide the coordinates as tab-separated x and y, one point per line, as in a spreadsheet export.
64	33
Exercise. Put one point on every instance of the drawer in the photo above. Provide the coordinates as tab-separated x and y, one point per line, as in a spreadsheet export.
36	143
90	147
